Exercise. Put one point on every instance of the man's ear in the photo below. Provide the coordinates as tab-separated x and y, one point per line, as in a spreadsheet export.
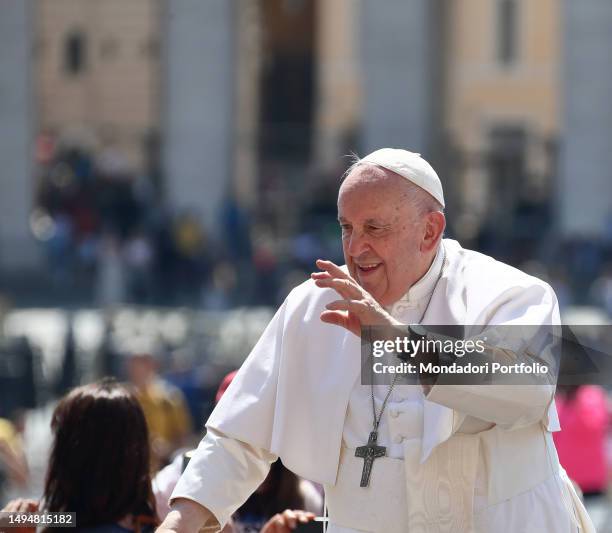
435	222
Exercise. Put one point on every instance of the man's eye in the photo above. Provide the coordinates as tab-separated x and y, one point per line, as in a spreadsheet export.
345	227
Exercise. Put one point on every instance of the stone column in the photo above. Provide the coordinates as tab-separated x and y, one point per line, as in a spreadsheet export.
198	95
17	247
585	186
338	93
396	70
246	120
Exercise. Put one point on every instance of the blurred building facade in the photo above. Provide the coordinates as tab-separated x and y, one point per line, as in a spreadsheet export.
303	81
248	107
97	74
502	122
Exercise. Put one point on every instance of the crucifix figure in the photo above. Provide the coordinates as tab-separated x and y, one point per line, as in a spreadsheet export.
369	452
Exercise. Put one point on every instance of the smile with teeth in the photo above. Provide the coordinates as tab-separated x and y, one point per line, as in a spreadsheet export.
368	267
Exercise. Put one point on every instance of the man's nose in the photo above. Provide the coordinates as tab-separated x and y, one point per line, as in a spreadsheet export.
358	244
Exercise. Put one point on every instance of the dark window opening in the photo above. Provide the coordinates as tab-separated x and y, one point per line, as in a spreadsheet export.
287	80
74	53
507	26
507	165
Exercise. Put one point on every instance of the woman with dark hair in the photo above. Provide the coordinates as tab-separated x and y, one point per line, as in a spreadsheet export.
99	463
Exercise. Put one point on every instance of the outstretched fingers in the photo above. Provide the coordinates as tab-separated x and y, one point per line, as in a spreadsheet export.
331	268
353	306
320	275
345	287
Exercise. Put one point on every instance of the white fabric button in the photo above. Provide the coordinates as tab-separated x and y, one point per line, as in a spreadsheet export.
398	439
394	413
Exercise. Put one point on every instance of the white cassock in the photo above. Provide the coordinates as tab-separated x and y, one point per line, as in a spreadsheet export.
465	458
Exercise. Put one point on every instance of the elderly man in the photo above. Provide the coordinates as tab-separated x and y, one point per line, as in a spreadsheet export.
430	458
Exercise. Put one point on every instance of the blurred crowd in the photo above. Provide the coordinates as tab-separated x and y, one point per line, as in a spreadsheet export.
104	225
117	452
579	269
119	447
109	227
136	430
98	220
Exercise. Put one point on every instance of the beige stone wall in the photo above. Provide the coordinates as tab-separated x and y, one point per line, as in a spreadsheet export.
481	91
116	97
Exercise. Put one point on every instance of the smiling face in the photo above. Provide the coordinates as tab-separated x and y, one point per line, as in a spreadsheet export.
388	246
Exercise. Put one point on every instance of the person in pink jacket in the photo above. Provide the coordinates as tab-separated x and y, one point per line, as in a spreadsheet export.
581	443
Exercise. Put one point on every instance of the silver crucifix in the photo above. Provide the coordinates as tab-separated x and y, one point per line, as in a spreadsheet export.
369	452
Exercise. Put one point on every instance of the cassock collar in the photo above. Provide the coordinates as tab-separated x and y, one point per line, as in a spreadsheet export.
426	284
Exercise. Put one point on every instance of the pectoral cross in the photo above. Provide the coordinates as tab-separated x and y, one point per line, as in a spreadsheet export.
369	452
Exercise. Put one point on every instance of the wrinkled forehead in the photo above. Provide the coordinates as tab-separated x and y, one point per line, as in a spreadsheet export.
373	181
373	192
368	173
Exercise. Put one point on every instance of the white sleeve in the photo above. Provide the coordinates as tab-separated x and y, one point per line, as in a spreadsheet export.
509	406
222	474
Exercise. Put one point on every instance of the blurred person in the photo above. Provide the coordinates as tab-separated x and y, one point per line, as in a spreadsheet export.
99	462
14	472
111	275
280	492
165	480
69	371
108	356
560	284
225	383
236	224
189	236
166	256
119	209
265	266
164	406
218	295
275	503
601	290
138	254
276	506
111	162
585	418
193	262
449	458
45	146
583	257
59	248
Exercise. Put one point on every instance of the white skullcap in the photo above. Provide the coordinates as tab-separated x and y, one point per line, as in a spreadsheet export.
409	165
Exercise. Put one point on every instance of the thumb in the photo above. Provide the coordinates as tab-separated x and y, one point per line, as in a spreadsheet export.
337	318
343	319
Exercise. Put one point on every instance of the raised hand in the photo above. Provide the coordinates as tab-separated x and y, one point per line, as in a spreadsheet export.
356	308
